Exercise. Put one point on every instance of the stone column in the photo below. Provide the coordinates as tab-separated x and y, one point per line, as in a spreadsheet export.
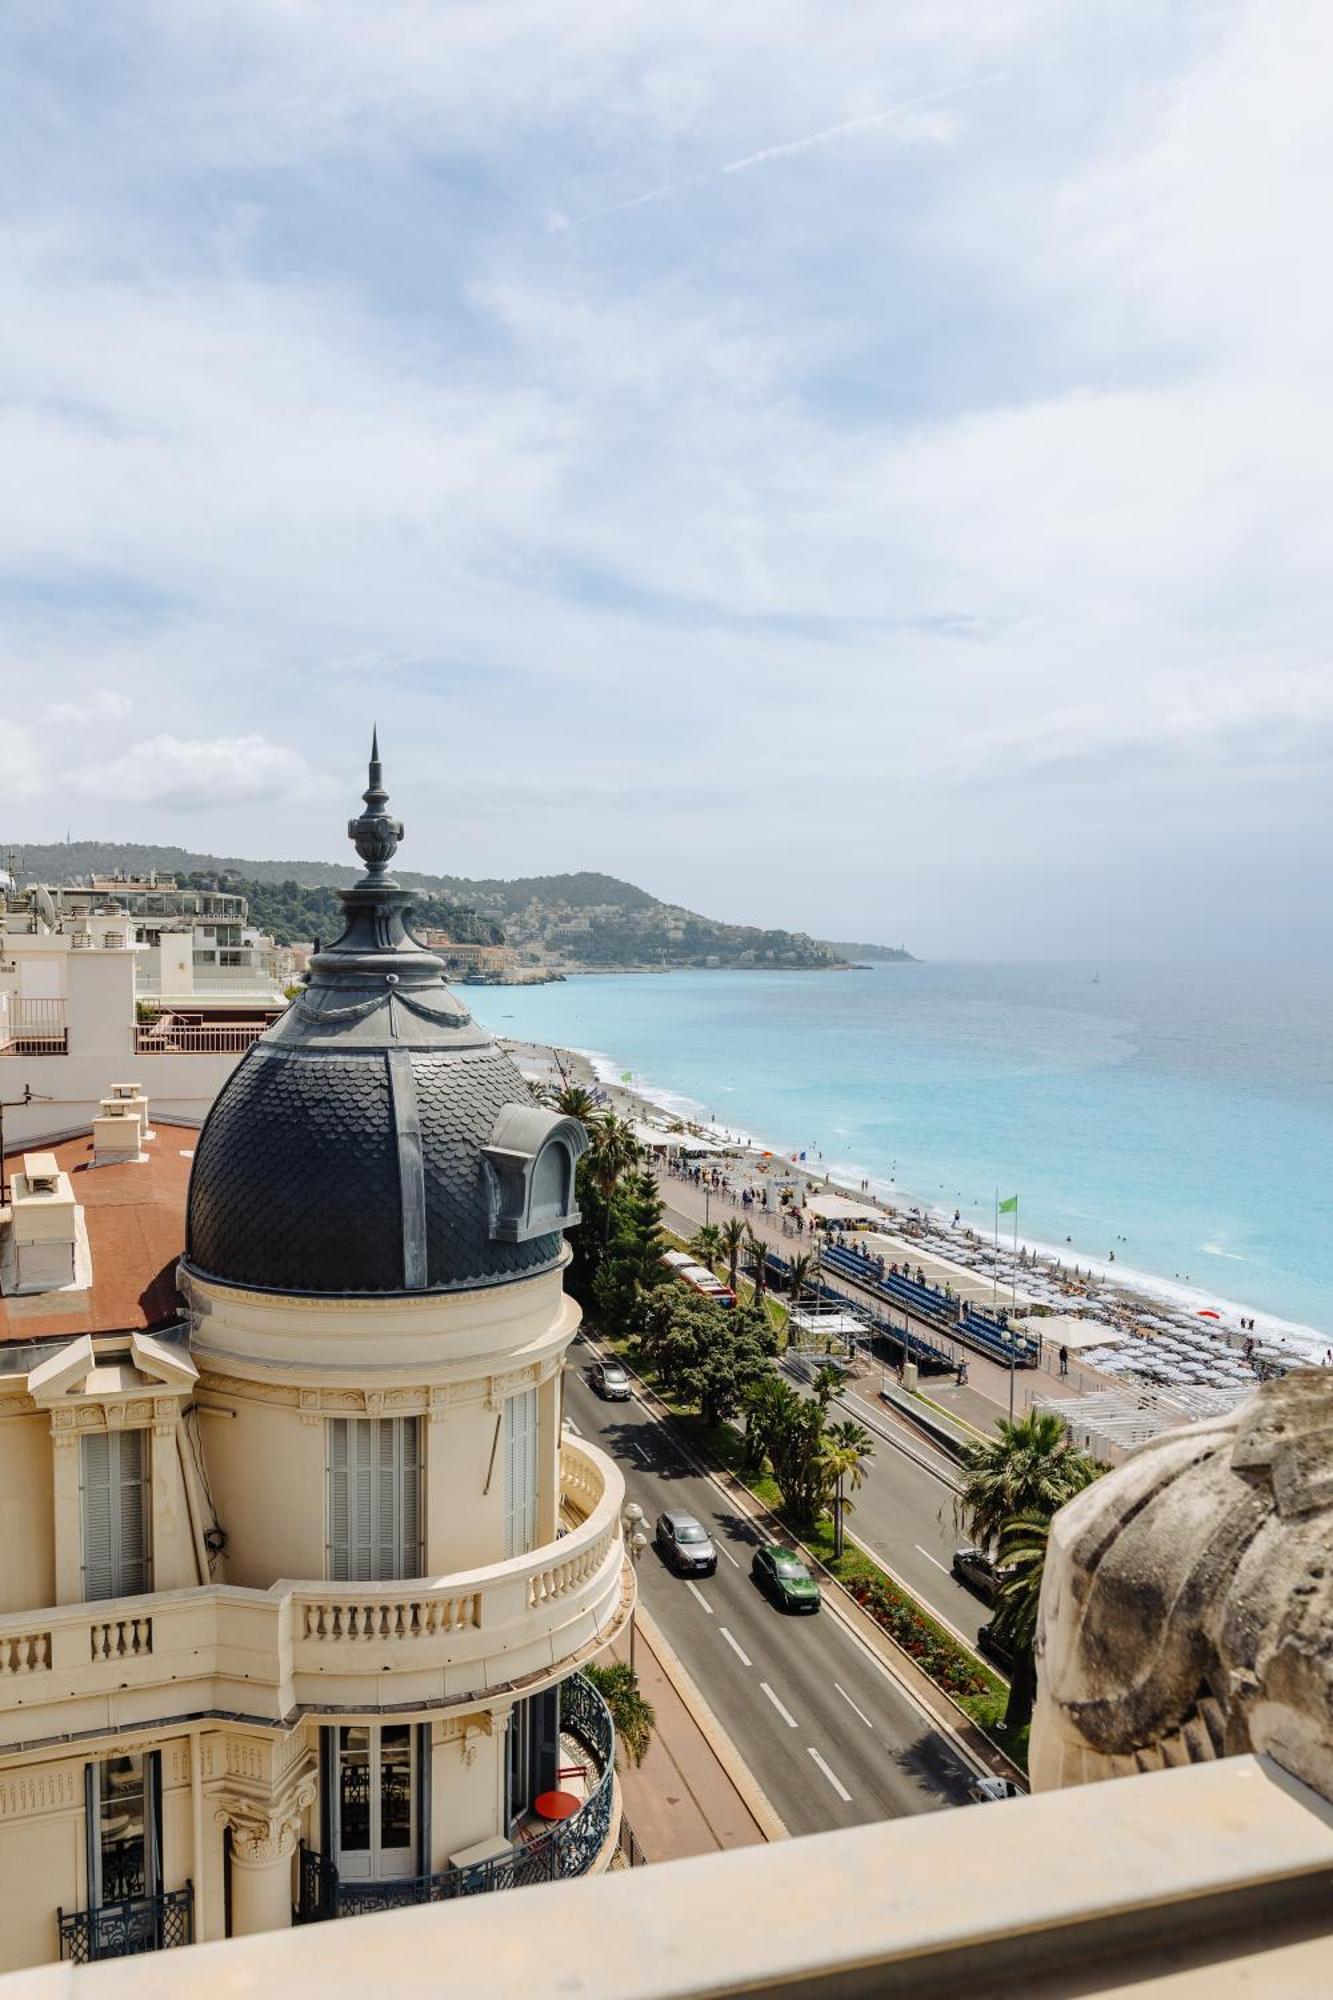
264	1838
68	1528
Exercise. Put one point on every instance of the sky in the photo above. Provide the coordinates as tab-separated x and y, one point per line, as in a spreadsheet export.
854	465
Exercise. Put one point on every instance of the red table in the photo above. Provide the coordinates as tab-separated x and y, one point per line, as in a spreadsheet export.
556	1805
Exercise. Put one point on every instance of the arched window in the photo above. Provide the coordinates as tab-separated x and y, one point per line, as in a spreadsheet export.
530	1159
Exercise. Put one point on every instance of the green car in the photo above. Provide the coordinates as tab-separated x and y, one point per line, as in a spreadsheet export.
784	1578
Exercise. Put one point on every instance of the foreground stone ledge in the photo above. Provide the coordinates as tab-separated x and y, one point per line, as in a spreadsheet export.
1193	1883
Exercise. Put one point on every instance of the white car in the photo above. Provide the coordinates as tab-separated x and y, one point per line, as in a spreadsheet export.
985	1790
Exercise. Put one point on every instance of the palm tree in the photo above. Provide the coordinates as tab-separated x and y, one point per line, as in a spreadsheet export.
798	1276
768	1405
1023	1554
847	1451
1031	1466
733	1242
633	1714
576	1101
612	1151
759	1252
706	1243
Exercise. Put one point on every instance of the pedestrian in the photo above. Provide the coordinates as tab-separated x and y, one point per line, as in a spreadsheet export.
1064	1361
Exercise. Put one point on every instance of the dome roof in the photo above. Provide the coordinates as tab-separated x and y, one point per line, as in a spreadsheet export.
375	1140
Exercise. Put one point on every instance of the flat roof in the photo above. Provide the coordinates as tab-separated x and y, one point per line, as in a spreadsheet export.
135	1216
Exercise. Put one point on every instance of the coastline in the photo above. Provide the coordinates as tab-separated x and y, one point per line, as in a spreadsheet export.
1117	1292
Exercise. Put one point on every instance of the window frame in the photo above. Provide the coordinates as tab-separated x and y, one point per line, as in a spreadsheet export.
361	1545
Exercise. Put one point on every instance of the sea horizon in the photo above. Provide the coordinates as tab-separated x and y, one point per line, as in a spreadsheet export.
1170	1125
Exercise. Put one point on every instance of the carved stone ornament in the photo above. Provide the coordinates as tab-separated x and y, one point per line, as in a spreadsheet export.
1187	1605
262	1832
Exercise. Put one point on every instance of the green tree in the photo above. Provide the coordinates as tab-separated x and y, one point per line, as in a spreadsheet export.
759	1263
798	1277
1030	1466
848	1450
706	1244
633	1714
1023	1554
612	1152
767	1403
706	1354
733	1242
575	1100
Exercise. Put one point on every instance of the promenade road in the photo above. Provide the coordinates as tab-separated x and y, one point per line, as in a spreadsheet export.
829	1733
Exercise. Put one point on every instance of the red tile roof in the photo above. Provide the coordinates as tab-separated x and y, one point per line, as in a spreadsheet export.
136	1232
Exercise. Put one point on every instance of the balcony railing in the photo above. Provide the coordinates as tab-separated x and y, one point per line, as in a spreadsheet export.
149	982
257	1652
117	1930
169	1037
569	1848
33	1027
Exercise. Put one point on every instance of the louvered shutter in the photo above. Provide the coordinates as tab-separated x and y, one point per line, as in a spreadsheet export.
130	1516
98	1559
115	1514
520	1472
340	1509
374	1498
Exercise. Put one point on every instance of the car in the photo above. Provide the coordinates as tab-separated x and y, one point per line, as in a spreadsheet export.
784	1578
685	1544
983	1791
974	1568
610	1381
995	1648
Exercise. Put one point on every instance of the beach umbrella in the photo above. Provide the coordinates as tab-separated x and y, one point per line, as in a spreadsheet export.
1206	1312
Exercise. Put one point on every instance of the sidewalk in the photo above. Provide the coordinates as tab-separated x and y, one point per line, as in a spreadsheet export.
682	1799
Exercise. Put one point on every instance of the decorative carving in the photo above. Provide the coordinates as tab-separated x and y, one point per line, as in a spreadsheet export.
261	1831
467	1731
1187	1605
50	1788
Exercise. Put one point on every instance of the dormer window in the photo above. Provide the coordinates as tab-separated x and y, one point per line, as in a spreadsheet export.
530	1161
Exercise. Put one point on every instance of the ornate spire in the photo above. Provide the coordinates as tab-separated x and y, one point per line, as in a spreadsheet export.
376	833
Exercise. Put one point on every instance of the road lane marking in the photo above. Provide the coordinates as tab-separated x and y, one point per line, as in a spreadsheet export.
851	1704
836	1783
785	1713
932	1559
570	1425
738	1650
695	1591
731	1558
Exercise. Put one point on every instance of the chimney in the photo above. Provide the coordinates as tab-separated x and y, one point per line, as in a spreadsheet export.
133	1094
117	1134
44	1231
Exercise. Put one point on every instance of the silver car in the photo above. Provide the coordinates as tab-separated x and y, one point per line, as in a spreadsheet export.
685	1544
610	1381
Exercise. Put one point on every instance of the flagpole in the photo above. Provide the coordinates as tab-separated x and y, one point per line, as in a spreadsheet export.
995	1261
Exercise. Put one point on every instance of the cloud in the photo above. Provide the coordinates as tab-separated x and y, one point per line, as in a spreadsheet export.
197	774
102	705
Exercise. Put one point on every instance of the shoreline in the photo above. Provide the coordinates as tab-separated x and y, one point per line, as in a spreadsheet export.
1115	1292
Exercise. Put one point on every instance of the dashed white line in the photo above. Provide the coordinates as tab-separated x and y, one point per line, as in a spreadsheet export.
852	1705
570	1425
836	1782
731	1558
695	1591
737	1649
784	1712
932	1559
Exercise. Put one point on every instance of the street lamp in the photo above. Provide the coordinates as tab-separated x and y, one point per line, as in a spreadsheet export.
636	1542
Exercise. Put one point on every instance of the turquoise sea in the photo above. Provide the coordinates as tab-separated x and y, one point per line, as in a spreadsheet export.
1182	1119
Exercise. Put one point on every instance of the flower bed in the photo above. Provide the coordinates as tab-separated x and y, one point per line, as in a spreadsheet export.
934	1652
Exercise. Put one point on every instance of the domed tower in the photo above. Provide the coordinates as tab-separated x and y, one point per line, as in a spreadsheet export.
373	1269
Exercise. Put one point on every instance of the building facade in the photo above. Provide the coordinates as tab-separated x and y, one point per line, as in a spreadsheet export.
304	1566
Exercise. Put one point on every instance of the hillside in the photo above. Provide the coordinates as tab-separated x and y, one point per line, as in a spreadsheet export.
877	954
564	921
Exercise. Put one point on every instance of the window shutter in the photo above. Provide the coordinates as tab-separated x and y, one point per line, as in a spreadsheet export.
130	1516
520	1472
98	1562
374	1498
340	1513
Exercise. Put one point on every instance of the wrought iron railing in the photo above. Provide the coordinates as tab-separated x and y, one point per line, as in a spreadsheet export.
165	1037
118	1930
568	1848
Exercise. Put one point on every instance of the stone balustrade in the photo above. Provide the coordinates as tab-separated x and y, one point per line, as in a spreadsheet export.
267	1653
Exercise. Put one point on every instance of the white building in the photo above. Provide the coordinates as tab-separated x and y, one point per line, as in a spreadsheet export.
92	991
301	1567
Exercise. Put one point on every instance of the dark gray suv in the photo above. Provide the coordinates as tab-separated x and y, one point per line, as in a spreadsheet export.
685	1544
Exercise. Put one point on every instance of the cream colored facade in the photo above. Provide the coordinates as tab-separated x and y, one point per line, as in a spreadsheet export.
242	1656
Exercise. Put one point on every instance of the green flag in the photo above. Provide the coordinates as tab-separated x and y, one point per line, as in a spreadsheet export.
627	1076
1009	1207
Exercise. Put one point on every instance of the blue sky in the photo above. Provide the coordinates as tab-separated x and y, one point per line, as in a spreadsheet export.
861	467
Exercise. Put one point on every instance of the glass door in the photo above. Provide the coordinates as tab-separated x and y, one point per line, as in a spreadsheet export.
377	1802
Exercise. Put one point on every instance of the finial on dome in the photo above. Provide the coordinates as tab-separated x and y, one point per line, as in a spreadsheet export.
375	833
